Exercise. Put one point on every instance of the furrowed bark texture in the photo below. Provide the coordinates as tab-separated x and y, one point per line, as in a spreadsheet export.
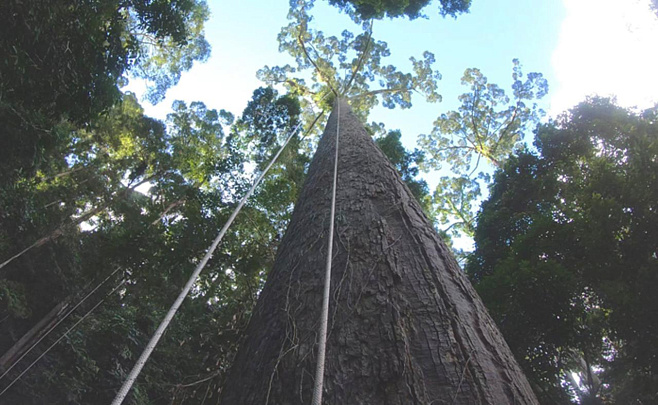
405	325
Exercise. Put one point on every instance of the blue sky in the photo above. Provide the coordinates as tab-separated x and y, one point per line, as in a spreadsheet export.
582	47
243	39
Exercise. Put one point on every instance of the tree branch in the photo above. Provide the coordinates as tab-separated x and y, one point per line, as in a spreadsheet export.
166	211
317	69
380	91
477	164
360	62
59	231
478	138
504	133
210	377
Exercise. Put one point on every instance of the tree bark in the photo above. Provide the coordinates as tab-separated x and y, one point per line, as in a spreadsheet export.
31	336
405	324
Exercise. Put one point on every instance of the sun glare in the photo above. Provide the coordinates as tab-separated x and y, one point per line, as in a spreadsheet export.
606	47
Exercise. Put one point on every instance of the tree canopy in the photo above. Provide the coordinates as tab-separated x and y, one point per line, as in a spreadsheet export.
321	60
66	61
486	128
93	190
565	255
367	9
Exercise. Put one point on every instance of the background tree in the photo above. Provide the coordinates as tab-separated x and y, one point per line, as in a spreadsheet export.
65	62
367	9
194	170
72	152
407	165
487	127
565	255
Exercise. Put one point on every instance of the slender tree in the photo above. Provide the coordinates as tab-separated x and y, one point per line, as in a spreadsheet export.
405	324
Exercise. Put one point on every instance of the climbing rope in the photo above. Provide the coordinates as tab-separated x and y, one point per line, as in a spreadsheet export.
137	368
62	337
324	316
56	325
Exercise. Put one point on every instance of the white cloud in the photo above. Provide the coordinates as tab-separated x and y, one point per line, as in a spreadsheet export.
606	47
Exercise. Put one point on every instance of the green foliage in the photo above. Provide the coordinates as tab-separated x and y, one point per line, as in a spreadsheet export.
65	61
361	56
62	58
65	58
565	255
266	122
194	167
406	164
484	128
367	9
12	298
454	202
198	148
173	42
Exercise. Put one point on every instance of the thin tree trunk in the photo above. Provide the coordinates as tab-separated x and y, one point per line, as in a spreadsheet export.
166	211
56	233
32	335
406	326
66	173
73	223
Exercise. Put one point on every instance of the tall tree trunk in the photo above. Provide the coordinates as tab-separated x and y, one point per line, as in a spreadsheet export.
405	327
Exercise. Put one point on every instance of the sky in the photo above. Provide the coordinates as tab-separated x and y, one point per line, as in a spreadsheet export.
606	47
582	47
